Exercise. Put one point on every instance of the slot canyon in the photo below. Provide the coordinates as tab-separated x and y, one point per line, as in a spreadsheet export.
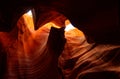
59	39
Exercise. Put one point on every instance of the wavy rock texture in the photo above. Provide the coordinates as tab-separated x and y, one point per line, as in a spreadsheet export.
31	54
81	60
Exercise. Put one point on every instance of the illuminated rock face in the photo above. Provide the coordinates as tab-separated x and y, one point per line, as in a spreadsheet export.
33	53
81	60
19	54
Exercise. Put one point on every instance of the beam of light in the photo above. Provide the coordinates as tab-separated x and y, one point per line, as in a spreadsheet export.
28	20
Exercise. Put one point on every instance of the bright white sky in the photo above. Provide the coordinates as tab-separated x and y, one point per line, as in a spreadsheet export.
29	12
68	27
